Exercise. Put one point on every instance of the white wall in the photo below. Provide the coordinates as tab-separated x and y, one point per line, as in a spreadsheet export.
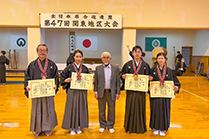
5	34
177	38
201	43
108	40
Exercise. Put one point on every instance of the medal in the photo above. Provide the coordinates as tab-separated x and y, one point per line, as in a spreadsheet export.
43	72
136	77
43	77
78	73
136	71
161	78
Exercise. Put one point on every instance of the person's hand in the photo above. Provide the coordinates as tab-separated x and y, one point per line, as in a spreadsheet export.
149	88
55	87
93	80
68	80
117	96
124	76
28	89
175	88
128	48
150	78
96	96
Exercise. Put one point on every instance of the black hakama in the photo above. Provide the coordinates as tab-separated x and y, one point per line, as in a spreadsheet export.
160	107
43	114
3	61
76	109
135	112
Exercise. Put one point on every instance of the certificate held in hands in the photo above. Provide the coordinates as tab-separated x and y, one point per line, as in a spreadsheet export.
86	82
165	91
139	83
41	88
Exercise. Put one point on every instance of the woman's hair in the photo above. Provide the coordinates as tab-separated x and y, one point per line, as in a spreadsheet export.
77	51
3	52
161	54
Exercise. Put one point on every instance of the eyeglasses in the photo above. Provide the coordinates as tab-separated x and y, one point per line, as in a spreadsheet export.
105	57
40	50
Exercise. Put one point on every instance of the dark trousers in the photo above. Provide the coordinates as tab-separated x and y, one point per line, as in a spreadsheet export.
102	111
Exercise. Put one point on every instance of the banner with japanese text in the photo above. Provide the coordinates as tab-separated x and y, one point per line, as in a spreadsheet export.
68	20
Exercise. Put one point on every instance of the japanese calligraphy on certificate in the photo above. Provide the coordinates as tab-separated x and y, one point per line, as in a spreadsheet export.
41	88
86	82
73	20
141	84
165	91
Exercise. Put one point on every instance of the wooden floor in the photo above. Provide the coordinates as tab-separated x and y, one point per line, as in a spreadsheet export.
189	115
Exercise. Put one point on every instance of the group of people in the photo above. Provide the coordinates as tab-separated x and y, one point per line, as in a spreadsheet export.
107	91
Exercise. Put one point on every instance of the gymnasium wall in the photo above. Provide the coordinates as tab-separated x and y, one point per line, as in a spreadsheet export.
201	43
177	38
110	40
136	13
107	40
5	34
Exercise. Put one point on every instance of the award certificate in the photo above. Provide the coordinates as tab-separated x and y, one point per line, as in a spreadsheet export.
41	88
139	83
86	82
165	91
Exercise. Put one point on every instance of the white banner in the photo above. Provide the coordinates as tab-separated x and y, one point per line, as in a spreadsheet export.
86	43
72	43
68	20
18	42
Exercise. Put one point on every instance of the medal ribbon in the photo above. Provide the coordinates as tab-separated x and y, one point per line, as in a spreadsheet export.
136	72
78	73
43	72
161	79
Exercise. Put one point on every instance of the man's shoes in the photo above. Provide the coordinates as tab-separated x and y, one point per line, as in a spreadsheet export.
162	133
78	131
156	132
48	133
36	134
101	130
111	130
72	132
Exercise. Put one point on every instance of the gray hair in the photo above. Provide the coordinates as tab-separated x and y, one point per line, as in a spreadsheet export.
105	53
41	45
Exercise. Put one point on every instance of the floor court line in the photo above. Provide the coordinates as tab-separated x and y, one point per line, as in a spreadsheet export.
195	95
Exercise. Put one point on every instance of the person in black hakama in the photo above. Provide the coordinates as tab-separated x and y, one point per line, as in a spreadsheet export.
43	115
161	107
3	60
130	53
135	110
76	109
181	68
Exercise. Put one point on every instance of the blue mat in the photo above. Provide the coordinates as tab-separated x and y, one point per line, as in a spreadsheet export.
15	82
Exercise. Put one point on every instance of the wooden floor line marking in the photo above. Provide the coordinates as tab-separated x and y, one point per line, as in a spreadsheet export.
195	95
